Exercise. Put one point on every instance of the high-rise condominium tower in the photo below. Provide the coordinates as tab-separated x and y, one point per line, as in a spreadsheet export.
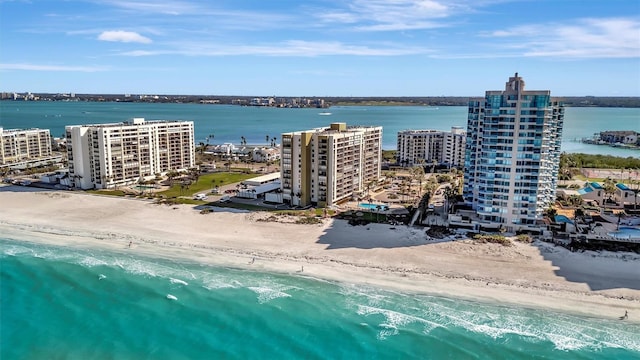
107	155
23	145
324	166
512	155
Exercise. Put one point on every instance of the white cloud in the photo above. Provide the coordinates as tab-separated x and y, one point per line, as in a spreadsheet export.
291	48
34	67
391	15
123	36
584	38
166	7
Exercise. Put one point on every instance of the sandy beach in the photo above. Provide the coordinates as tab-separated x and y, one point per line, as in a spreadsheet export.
537	275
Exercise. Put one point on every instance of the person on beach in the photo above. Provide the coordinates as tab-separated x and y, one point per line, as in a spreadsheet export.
625	316
130	242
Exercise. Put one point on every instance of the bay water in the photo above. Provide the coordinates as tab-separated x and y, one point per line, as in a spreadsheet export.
66	303
228	123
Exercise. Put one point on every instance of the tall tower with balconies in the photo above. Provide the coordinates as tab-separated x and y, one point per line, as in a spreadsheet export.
325	166
512	155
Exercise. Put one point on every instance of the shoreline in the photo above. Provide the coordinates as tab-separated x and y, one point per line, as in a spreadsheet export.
536	276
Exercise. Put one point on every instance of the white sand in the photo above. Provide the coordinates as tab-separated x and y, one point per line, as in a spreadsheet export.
530	275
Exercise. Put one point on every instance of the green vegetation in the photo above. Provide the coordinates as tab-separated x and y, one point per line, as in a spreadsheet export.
107	192
40	169
389	155
524	238
494	239
308	220
598	161
205	182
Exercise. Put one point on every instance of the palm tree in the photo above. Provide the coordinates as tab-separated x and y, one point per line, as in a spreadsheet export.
201	148
551	213
418	172
609	187
449	195
171	174
194	173
266	138
575	200
634	186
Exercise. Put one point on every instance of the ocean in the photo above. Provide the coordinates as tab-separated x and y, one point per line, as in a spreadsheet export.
228	123
69	303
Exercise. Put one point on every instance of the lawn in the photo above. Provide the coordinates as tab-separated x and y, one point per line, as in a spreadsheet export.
206	182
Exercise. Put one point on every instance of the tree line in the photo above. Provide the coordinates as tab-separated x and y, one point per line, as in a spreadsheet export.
598	161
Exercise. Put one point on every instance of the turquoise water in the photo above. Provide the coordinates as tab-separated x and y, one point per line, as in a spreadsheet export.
563	218
627	233
144	187
373	206
228	123
78	304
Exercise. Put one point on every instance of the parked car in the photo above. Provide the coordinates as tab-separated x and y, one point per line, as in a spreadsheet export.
200	197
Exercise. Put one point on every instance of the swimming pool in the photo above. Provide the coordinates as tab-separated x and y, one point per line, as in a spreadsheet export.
373	206
626	233
144	187
564	219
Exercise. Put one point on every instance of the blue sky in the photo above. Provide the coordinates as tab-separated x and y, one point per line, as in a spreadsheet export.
320	47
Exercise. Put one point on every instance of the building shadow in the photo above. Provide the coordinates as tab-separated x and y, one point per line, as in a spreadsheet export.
30	188
598	270
340	234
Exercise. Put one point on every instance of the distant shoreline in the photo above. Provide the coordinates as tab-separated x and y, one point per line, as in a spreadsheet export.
569	101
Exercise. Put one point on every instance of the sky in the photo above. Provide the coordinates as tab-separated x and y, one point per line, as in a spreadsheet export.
319	47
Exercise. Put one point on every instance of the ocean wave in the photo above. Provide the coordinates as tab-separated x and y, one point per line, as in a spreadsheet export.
178	281
394	320
266	294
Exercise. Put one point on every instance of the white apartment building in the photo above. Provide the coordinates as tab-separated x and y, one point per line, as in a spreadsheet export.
512	155
24	145
426	147
325	166
108	155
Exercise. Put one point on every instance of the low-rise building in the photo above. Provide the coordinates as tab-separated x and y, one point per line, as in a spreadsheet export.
265	154
619	137
592	192
625	196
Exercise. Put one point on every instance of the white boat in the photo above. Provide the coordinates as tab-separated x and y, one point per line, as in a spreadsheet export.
324	113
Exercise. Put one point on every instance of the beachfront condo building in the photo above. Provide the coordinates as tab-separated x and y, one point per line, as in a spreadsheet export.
108	155
325	166
426	147
24	146
512	155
